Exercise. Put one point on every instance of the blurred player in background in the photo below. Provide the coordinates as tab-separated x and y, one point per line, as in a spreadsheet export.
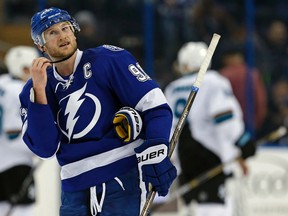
90	30
72	109
16	160
235	69
209	137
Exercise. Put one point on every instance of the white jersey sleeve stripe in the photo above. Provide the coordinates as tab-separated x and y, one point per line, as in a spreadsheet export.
152	99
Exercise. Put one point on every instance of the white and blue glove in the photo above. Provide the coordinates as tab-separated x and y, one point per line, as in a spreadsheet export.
155	164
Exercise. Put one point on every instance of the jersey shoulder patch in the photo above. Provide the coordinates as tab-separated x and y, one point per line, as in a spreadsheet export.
103	50
112	48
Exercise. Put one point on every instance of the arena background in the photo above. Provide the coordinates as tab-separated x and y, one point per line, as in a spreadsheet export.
154	32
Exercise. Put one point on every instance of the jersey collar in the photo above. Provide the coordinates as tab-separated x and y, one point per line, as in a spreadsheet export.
57	76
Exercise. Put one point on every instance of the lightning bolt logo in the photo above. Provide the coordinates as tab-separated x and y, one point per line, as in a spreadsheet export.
73	105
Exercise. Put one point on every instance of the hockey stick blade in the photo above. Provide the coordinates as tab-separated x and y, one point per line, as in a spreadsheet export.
205	176
200	76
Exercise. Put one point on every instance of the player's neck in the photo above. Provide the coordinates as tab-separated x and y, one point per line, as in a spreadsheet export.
66	67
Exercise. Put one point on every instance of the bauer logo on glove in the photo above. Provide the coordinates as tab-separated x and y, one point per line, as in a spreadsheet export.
127	123
152	155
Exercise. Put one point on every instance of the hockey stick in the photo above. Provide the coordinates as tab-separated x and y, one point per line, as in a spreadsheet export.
205	176
190	100
274	135
25	185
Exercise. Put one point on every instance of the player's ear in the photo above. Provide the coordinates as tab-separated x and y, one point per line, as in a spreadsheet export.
41	48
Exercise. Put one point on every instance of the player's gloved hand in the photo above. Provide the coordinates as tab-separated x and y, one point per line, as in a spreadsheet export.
247	145
156	166
127	123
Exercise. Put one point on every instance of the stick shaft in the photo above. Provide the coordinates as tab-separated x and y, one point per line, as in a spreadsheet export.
180	124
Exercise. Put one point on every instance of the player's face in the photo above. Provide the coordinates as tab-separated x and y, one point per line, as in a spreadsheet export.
60	40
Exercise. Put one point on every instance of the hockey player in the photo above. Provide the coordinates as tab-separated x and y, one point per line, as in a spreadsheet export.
68	110
16	160
212	129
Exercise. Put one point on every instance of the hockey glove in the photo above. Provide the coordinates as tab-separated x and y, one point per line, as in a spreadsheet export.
155	164
246	145
127	123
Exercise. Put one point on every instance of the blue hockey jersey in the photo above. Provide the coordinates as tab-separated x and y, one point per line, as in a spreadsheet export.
76	125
